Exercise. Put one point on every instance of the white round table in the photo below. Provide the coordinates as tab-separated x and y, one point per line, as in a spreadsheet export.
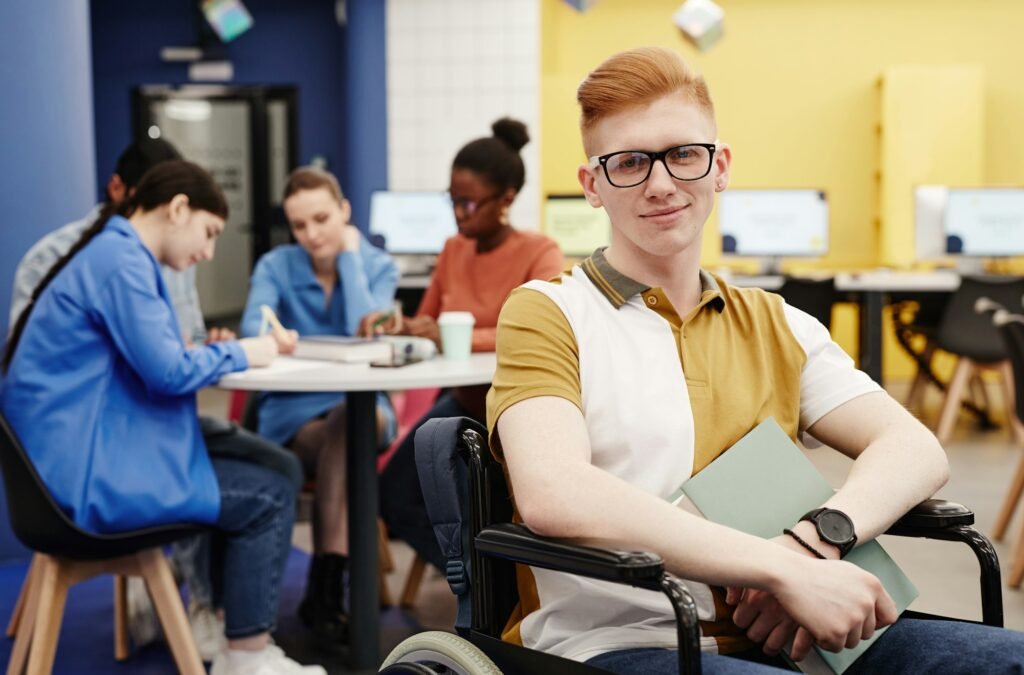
361	382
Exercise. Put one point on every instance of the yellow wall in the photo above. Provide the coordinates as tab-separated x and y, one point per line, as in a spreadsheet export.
796	90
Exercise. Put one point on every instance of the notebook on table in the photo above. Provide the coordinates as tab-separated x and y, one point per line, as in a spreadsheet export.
343	349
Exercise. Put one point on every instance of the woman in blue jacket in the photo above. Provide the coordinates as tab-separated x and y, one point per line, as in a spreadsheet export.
100	389
323	285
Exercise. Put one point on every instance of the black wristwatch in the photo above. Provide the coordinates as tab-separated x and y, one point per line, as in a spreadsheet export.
834	527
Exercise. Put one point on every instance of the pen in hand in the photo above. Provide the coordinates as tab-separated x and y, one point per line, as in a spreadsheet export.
395	314
286	339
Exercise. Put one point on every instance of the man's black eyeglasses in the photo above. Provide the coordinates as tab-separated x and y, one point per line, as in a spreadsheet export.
629	168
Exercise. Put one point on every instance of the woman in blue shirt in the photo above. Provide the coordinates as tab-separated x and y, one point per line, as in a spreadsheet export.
323	285
100	389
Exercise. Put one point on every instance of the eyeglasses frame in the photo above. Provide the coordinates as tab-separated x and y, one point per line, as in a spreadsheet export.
477	203
602	160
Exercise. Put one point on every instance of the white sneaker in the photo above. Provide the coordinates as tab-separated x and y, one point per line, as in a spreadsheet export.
143	626
268	661
207	631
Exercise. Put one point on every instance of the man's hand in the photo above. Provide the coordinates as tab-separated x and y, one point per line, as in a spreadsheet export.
838	603
762	615
219	334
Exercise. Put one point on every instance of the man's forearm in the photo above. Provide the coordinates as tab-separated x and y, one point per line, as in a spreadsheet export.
901	463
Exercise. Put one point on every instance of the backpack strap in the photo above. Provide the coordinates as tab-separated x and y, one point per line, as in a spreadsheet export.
445	483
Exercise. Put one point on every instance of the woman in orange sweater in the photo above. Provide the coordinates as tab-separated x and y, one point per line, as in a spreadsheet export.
475	272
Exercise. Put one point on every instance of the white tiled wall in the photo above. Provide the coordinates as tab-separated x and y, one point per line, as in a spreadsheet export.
453	68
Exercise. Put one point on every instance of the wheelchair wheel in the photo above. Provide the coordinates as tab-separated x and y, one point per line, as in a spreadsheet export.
438	652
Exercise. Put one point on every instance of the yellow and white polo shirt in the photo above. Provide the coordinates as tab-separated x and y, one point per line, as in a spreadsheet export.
662	396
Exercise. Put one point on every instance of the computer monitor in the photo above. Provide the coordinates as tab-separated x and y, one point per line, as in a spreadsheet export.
577	227
773	223
929	210
984	222
415	223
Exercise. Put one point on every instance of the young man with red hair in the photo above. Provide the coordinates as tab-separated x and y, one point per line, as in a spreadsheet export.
634	370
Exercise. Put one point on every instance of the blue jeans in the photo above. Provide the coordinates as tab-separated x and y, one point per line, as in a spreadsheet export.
251	544
401	497
910	646
227	441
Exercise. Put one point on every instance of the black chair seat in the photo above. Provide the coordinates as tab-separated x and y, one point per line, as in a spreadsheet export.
40	524
968	334
814	296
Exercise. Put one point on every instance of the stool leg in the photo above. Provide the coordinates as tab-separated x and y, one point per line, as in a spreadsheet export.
27	623
53	593
412	582
1010	502
1017	568
1010	399
976	389
166	599
120	617
387	564
19	606
954	393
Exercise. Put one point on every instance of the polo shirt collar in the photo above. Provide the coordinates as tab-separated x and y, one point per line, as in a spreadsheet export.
302	274
617	288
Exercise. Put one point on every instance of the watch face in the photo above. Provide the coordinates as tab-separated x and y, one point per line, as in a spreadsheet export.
835	527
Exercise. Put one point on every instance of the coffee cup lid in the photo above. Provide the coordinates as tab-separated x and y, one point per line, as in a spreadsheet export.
456	317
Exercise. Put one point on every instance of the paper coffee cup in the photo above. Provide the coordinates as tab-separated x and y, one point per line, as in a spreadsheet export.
456	334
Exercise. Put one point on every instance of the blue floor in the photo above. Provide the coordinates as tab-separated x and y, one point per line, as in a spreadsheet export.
86	645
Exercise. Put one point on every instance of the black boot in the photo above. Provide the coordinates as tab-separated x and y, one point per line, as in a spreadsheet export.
321	609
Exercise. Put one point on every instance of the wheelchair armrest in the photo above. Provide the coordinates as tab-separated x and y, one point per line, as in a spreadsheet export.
949	521
515	542
932	515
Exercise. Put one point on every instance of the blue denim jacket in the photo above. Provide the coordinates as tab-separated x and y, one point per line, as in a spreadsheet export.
101	392
284	279
44	253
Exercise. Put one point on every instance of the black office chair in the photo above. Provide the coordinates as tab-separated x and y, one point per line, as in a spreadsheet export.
471	515
916	318
1011	329
974	340
66	555
814	296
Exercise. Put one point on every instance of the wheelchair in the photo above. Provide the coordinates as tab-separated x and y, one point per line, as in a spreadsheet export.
471	510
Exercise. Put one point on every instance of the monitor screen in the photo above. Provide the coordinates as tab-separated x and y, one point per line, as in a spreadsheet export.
984	222
412	222
773	223
929	207
576	226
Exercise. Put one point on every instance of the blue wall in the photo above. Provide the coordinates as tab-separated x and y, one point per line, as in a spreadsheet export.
366	88
290	43
47	168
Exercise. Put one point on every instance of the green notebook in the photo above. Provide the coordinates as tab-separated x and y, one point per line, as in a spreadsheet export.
764	483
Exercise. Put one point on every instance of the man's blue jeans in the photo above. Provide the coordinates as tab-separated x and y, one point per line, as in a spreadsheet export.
910	646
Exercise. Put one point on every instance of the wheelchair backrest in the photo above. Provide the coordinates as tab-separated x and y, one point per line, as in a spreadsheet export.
465	491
